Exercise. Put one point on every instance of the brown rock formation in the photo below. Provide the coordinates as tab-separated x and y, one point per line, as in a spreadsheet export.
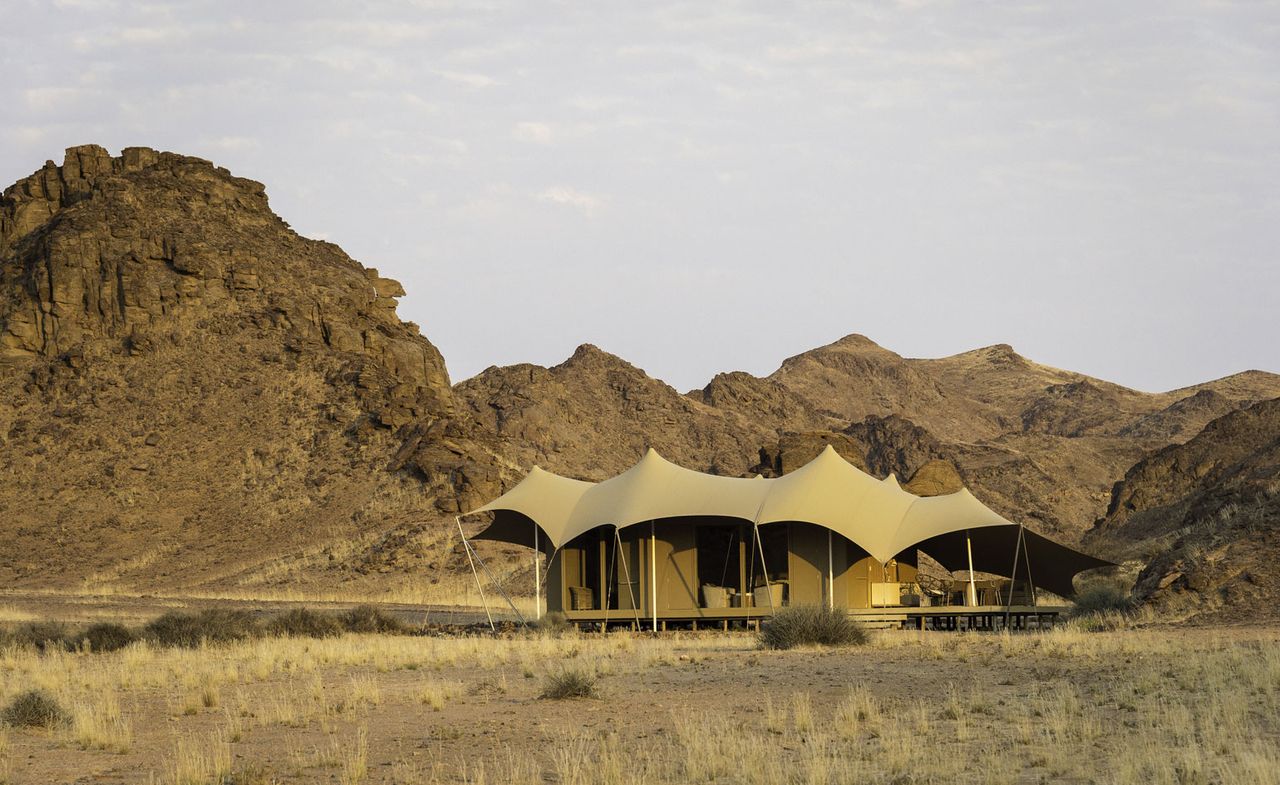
186	381
1204	517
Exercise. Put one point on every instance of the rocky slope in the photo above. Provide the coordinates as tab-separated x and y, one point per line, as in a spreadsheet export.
1204	517
189	388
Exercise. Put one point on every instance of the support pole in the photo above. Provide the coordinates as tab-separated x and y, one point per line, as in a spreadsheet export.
764	571
831	581
609	579
653	572
635	606
1026	556
1013	577
537	577
467	547
973	586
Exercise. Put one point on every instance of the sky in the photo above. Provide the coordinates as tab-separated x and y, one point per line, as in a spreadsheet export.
712	186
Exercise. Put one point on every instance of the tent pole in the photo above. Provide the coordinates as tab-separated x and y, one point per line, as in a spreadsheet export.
750	584
1013	577
653	572
609	580
467	547
831	581
1026	556
764	572
635	606
537	577
973	586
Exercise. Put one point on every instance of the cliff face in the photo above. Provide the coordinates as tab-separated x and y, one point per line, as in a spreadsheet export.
185	380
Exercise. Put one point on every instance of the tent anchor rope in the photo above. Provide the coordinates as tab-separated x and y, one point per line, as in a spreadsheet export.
467	547
472	552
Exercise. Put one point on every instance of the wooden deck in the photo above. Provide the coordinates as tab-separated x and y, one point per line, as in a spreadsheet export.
945	617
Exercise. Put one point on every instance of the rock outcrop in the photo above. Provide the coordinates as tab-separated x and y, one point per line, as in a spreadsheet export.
1204	517
185	380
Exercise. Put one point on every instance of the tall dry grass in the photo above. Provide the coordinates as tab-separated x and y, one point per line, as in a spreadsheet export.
1071	704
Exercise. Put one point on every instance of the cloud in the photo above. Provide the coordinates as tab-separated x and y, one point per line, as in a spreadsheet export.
468	79
538	133
571	197
233	143
47	99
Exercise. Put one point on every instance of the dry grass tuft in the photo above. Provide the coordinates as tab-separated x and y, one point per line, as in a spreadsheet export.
569	683
811	625
34	709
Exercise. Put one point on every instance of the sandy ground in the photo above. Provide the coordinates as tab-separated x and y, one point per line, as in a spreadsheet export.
358	709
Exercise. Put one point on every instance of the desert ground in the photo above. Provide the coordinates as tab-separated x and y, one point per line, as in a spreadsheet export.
1144	704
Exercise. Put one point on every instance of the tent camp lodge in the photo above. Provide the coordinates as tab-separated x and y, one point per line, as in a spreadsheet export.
660	544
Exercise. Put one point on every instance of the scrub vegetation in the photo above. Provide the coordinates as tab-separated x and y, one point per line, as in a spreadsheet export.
191	630
811	625
1138	705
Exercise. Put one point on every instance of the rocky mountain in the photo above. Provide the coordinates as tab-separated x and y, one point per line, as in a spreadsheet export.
188	387
593	415
1038	444
1203	517
194	396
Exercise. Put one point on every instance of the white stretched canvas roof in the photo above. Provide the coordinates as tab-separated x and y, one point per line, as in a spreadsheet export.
877	515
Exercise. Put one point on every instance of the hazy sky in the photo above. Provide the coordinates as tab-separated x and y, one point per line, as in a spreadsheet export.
717	186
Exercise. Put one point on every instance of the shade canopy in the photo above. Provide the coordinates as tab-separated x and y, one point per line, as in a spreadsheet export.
877	515
541	499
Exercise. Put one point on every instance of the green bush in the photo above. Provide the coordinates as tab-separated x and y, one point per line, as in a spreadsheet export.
569	683
367	618
211	626
34	709
1102	598
106	636
303	623
811	625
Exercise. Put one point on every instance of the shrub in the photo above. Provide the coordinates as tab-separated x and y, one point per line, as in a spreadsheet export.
367	618
554	623
212	626
106	636
42	635
303	623
810	625
569	683
34	709
1102	598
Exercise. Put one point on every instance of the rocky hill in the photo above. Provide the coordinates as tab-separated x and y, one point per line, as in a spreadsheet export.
1203	517
1038	444
189	388
193	396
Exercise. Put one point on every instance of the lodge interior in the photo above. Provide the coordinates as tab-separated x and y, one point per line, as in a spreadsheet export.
707	565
